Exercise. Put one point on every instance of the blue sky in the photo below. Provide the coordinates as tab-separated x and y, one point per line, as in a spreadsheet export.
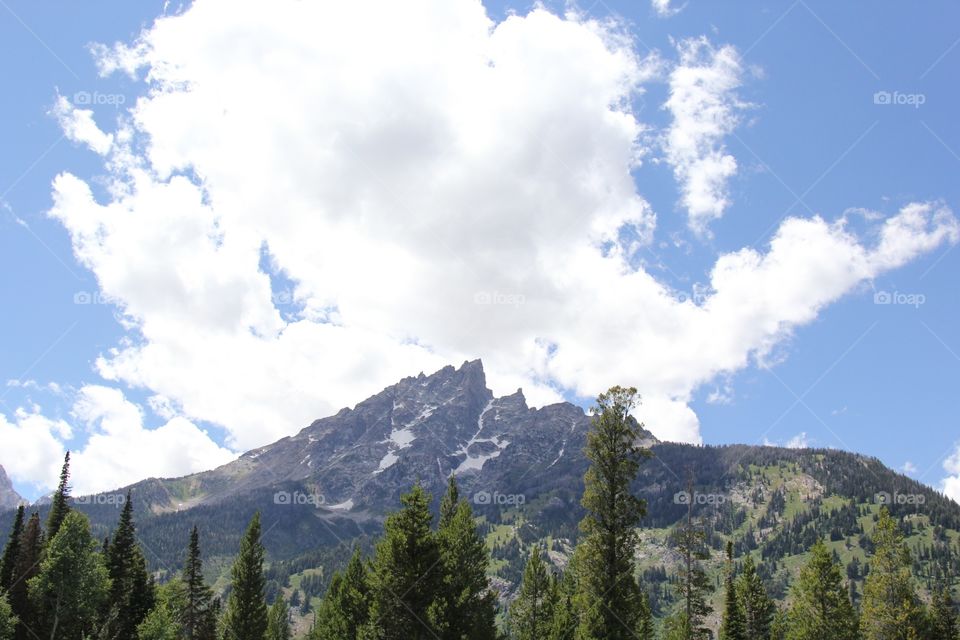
836	107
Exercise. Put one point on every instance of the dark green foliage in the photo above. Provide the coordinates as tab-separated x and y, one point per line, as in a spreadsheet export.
532	613
278	621
609	596
732	625
197	617
10	552
27	566
131	588
246	613
821	607
693	585
407	575
60	507
756	605
8	621
71	588
943	616
344	609
466	607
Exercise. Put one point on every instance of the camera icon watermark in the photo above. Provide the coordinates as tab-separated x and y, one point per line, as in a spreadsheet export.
483	498
89	297
108	499
95	98
499	298
697	297
686	498
885	498
899	298
299	499
914	100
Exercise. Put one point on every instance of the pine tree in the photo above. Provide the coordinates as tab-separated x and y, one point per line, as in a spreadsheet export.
198	614
8	621
943	616
278	621
693	585
132	594
732	626
246	614
27	566
531	614
821	607
10	552
60	507
406	575
756	605
610	595
565	591
466	608
645	625
891	609
160	624
69	591
344	609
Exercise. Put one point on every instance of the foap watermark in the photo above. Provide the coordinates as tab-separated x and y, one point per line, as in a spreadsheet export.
697	297
499	298
89	297
887	498
497	498
899	298
299	499
108	499
899	99
95	98
685	497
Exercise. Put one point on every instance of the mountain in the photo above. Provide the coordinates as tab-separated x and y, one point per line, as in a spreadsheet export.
329	487
9	499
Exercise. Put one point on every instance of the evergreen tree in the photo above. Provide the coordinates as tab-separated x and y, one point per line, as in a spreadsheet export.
756	605
821	607
406	575
160	624
246	614
27	566
60	507
466	608
693	585
198	614
943	616
8	621
344	609
780	625
10	552
891	609
132	593
645	625
610	595
732	625
531	614
278	621
69	591
565	619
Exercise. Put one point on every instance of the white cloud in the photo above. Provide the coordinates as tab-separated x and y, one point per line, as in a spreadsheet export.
438	188
705	109
664	9
78	126
32	451
951	484
909	468
799	441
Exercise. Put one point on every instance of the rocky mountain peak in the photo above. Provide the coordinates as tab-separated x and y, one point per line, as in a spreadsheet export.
8	497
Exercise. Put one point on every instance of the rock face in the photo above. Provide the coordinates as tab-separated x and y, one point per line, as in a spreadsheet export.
424	428
9	498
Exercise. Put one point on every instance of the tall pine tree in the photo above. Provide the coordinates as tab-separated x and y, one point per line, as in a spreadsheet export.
407	575
821	607
69	591
943	616
246	614
891	609
8	621
344	609
198	618
9	559
731	626
27	565
60	506
693	585
278	621
531	614
610	596
132	593
756	605
467	608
